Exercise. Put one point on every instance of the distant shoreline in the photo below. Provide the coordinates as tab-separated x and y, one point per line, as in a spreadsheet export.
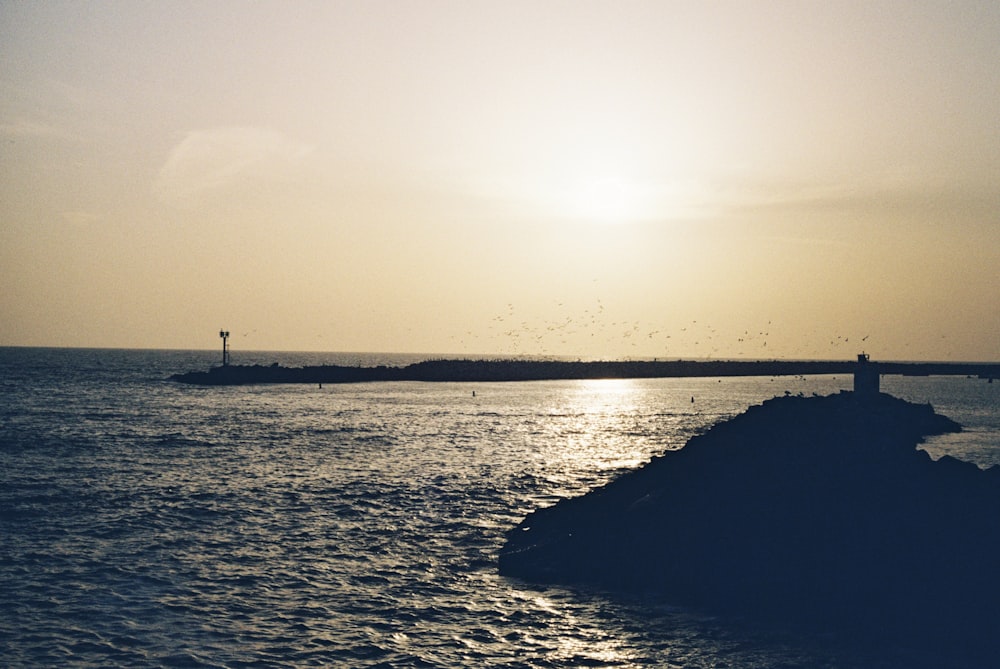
536	370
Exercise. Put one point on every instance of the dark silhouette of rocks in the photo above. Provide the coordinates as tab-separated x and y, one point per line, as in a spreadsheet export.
819	511
539	370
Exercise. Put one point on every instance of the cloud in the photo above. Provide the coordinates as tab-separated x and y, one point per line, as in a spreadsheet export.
215	160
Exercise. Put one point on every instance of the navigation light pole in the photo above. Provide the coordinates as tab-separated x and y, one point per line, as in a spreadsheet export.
225	347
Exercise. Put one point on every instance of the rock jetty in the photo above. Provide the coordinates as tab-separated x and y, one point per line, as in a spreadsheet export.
815	510
482	370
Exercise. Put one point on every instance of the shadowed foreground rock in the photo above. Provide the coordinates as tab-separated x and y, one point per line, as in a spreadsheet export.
818	510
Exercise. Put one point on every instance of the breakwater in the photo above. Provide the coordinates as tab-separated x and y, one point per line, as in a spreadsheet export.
543	370
804	510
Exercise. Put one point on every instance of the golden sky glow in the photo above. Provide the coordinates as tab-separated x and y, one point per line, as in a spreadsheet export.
595	179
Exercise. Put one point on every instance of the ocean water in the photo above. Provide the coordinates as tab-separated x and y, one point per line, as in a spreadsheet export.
145	523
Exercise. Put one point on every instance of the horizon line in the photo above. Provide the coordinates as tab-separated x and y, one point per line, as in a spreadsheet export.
510	356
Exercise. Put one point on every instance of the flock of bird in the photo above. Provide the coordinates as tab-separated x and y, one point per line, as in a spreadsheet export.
593	331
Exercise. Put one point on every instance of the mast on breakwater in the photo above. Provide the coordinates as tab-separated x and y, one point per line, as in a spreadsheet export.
225	347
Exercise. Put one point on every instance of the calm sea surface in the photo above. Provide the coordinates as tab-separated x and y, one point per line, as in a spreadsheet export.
147	523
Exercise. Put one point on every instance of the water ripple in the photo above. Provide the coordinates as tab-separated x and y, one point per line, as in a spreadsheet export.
148	524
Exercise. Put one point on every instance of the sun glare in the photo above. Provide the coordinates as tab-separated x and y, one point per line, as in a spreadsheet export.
609	200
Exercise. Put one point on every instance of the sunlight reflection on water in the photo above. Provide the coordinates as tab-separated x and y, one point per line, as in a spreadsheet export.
599	414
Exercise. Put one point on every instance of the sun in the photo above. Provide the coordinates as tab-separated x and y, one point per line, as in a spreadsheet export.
599	197
606	199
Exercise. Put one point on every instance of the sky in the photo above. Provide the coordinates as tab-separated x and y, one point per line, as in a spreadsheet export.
595	179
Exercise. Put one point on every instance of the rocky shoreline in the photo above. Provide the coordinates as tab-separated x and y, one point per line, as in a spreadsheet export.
816	510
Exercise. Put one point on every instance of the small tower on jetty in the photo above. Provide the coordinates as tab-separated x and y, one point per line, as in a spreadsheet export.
225	347
866	377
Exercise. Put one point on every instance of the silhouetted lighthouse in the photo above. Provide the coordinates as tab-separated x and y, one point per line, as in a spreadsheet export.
866	377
